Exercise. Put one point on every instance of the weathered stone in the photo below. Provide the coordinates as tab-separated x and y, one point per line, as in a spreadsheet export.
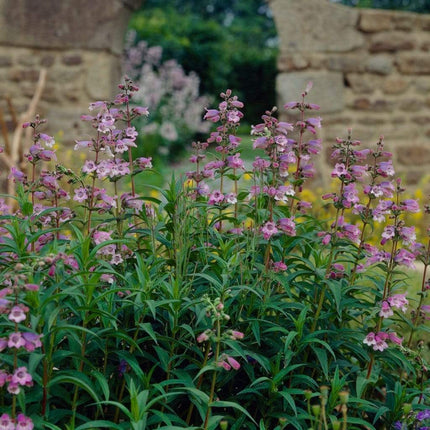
405	21
394	85
422	84
345	63
374	20
5	61
410	105
371	120
424	21
72	59
313	25
29	59
55	24
18	75
414	64
102	77
292	62
413	177
47	60
416	155
421	119
380	64
360	83
377	105
327	91
392	41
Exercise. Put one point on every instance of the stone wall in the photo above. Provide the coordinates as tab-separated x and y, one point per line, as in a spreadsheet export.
79	42
371	73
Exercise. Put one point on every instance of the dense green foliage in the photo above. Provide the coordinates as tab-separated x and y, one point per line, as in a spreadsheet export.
229	44
216	302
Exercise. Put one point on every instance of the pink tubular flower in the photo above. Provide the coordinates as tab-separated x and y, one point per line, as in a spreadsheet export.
24	423
6	423
269	229
212	115
394	338
237	334
80	195
279	266
17	313
144	163
410	205
399	301
22	377
16	340
288	226
233	363
235	162
216	197
203	337
31	341
386	310
405	258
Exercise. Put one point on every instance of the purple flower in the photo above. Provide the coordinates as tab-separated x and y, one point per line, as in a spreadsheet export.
398	301
423	415
212	115
386	310
269	229
288	226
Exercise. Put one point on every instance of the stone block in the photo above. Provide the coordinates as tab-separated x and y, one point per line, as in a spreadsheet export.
328	91
379	105
395	85
374	20
345	63
72	59
361	83
292	62
424	22
414	63
19	75
315	26
379	64
392	41
413	155
47	60
5	61
103	76
98	24
406	21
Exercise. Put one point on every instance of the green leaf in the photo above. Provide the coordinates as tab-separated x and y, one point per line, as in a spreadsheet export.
224	404
99	424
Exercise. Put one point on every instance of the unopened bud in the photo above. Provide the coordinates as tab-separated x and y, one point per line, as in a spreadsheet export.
316	410
308	394
223	425
407	407
344	397
336	425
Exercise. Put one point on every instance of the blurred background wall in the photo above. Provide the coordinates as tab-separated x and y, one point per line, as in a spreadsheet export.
371	72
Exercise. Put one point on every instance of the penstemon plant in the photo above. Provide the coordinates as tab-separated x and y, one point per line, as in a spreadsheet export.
218	302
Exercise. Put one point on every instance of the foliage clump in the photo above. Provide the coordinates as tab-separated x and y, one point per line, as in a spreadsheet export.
210	304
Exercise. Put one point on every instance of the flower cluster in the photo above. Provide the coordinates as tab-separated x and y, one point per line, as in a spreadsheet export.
18	340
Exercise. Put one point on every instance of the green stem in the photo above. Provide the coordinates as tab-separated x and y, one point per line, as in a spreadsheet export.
214	376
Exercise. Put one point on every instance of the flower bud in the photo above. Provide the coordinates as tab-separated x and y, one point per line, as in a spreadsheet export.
308	394
344	397
316	410
407	407
336	425
223	425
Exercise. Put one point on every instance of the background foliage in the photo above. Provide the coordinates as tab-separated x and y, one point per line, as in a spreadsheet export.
222	41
